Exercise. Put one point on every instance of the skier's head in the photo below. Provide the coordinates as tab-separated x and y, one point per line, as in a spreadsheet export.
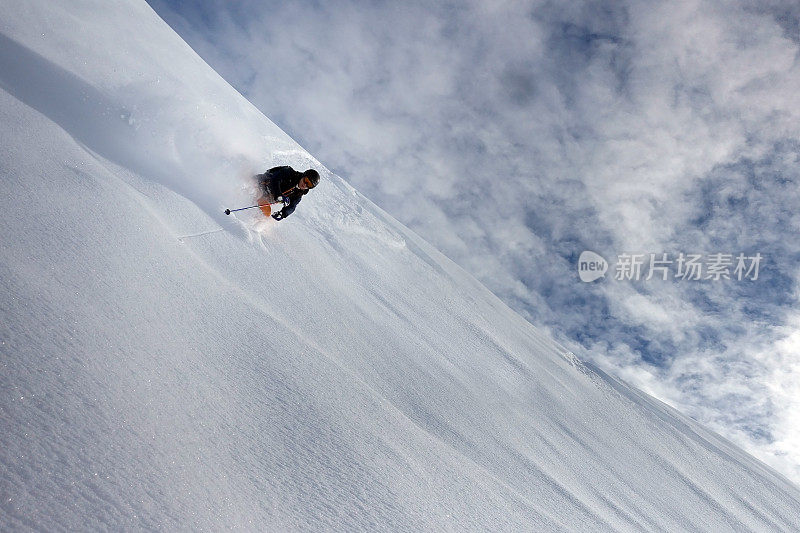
309	180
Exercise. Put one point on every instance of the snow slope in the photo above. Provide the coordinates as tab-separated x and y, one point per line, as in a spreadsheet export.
165	366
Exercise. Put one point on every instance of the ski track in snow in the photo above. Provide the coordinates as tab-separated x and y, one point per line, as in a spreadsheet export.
165	366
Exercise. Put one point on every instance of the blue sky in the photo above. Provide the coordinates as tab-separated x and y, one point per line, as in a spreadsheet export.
515	135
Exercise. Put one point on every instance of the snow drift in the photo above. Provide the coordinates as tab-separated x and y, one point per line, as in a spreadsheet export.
165	366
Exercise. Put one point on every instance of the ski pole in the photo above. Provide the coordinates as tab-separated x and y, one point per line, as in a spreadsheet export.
281	199
229	211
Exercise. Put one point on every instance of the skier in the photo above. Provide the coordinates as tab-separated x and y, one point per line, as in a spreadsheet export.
284	184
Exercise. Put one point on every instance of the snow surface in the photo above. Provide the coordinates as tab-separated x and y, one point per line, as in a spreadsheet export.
165	366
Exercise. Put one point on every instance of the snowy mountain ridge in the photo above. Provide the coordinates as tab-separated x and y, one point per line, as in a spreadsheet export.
165	366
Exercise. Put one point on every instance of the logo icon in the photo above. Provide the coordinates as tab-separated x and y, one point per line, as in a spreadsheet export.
591	266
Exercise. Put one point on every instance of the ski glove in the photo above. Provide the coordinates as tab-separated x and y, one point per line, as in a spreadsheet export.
277	216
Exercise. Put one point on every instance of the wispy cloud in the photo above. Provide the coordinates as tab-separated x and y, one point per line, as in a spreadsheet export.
514	135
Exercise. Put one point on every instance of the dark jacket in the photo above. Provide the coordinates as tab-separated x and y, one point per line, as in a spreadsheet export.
282	181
